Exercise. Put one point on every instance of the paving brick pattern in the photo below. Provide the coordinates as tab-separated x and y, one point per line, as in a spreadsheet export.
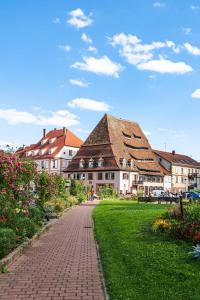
61	264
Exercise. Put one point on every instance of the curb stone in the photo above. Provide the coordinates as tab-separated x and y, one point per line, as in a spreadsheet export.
100	265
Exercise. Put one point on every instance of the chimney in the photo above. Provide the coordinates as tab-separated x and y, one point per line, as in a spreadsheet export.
44	132
173	152
64	130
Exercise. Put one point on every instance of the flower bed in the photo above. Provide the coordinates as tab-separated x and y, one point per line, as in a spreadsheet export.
26	198
185	227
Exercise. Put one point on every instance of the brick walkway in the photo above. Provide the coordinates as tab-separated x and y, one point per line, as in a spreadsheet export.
62	264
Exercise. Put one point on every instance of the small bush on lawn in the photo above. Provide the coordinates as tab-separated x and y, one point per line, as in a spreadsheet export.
7	241
186	227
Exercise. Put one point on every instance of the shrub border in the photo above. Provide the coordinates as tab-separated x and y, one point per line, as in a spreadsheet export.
17	252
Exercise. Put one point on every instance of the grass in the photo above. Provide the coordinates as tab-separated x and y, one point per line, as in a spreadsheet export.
139	264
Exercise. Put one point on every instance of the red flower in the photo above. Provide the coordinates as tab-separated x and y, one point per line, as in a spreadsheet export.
197	237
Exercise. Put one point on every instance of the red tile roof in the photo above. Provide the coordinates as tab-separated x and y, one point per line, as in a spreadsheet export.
62	138
178	159
115	139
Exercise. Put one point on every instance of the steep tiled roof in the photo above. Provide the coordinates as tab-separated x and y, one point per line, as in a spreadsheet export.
177	159
115	139
59	137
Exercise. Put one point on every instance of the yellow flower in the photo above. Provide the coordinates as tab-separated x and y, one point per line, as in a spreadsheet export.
17	210
161	224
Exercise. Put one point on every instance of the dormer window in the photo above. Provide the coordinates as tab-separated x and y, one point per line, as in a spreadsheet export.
40	152
123	162
27	153
91	163
81	163
49	151
52	140
130	163
43	141
100	162
32	153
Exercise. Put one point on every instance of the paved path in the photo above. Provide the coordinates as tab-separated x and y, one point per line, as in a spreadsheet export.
62	264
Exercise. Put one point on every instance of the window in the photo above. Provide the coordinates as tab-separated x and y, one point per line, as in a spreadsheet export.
65	163
123	162
91	163
52	140
100	162
42	164
54	164
110	176
70	152
81	163
83	176
90	176
125	175
100	176
181	170
43	142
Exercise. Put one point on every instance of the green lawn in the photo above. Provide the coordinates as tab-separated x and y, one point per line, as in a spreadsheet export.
139	264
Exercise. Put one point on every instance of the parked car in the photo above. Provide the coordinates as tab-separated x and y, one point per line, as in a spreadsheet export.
193	195
158	193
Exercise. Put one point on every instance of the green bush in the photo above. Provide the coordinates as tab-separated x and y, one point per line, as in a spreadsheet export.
72	200
82	197
7	241
107	191
25	227
55	205
36	214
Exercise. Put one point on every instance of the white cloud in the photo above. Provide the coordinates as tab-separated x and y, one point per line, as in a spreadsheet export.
135	52
86	38
13	117
79	82
192	49
196	94
165	66
92	49
56	20
89	104
58	118
187	30
159	4
102	65
66	48
78	19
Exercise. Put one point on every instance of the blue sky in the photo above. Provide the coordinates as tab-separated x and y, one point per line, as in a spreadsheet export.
69	62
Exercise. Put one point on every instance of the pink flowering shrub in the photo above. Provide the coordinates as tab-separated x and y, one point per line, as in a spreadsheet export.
16	177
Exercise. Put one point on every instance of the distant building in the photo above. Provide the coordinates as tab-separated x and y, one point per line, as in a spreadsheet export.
117	153
54	151
183	170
